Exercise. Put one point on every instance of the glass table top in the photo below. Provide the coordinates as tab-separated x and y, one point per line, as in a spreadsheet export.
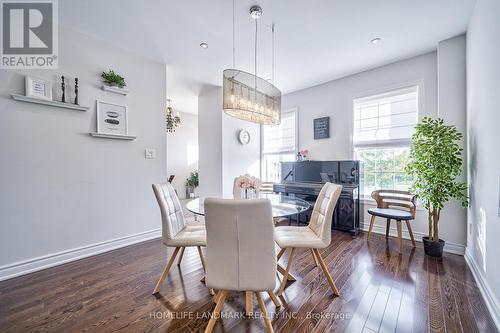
282	205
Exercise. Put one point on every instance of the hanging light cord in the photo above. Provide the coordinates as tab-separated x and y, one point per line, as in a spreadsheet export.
272	60
255	64
234	62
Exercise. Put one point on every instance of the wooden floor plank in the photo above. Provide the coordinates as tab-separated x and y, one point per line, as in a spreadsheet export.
380	291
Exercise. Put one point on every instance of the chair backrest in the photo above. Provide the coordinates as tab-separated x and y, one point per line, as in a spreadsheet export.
240	245
397	199
236	189
171	210
321	217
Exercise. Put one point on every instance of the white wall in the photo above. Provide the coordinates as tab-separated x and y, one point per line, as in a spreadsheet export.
182	151
238	159
210	142
63	191
334	99
222	157
452	108
483	126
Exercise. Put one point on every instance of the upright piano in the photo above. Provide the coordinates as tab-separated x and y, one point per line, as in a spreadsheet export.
304	179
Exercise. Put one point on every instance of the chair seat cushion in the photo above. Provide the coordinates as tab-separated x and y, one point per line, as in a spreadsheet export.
298	237
390	213
190	235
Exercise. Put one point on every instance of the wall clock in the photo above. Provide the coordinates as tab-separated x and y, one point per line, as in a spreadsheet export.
244	137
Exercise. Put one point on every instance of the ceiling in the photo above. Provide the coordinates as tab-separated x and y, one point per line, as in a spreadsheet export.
316	40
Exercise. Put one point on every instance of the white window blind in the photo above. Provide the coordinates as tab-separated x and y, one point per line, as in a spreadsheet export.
386	118
280	138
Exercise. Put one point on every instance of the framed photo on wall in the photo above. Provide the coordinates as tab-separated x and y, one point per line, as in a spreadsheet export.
111	118
321	128
38	88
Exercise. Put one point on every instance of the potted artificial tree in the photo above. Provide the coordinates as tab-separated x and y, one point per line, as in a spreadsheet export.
435	162
191	183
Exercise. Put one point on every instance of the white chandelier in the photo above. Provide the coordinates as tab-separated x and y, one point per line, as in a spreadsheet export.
247	96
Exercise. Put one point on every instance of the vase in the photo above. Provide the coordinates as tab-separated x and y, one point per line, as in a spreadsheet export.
248	193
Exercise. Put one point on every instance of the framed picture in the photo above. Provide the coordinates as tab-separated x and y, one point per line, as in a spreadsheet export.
321	128
111	118
38	88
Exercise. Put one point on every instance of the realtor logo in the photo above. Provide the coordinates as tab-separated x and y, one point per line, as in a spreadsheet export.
29	34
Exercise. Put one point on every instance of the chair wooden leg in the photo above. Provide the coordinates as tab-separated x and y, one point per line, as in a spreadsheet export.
280	254
314	257
215	315
282	271
180	256
400	238
165	271
285	275
327	273
248	303
372	221
408	225
262	306
201	257
387	228
274	298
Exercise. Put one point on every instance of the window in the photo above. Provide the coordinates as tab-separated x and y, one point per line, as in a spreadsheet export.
383	126
279	144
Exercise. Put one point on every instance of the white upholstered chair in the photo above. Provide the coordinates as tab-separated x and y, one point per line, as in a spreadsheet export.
315	236
240	251
175	231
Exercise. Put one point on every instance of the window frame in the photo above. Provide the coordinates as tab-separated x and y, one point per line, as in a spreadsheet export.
287	152
395	143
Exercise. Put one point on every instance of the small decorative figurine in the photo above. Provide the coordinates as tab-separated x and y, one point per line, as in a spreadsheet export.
76	90
63	99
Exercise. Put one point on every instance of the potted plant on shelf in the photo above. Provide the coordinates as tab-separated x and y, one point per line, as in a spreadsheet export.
191	183
435	161
112	79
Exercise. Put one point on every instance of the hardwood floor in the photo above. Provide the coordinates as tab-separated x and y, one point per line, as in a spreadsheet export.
381	291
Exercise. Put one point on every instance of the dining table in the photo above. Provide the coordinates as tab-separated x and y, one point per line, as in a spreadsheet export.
282	206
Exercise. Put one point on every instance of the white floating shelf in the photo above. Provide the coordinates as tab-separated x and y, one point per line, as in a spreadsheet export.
113	136
28	99
115	90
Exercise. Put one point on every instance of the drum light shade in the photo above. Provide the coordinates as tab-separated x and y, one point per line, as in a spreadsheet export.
251	98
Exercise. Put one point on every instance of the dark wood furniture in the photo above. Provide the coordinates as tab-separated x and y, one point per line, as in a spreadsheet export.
395	205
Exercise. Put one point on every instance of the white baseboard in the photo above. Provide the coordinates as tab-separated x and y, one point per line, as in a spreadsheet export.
489	298
449	247
32	265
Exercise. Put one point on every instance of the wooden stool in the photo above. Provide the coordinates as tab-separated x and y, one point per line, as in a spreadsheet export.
395	205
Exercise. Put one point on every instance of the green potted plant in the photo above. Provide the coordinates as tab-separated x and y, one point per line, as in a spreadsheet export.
191	183
113	79
435	161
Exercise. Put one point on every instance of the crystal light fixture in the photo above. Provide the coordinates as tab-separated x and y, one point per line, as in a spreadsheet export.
247	96
171	120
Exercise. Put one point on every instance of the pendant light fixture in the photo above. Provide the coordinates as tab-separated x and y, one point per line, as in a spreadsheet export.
247	96
171	121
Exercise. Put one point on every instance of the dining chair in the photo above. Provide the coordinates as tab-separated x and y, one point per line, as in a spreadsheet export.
240	251
394	205
176	232
315	236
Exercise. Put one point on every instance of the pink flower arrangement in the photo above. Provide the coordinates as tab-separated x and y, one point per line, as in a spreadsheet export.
247	181
304	153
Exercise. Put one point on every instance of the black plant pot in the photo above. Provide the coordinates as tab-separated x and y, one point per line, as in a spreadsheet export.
433	248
